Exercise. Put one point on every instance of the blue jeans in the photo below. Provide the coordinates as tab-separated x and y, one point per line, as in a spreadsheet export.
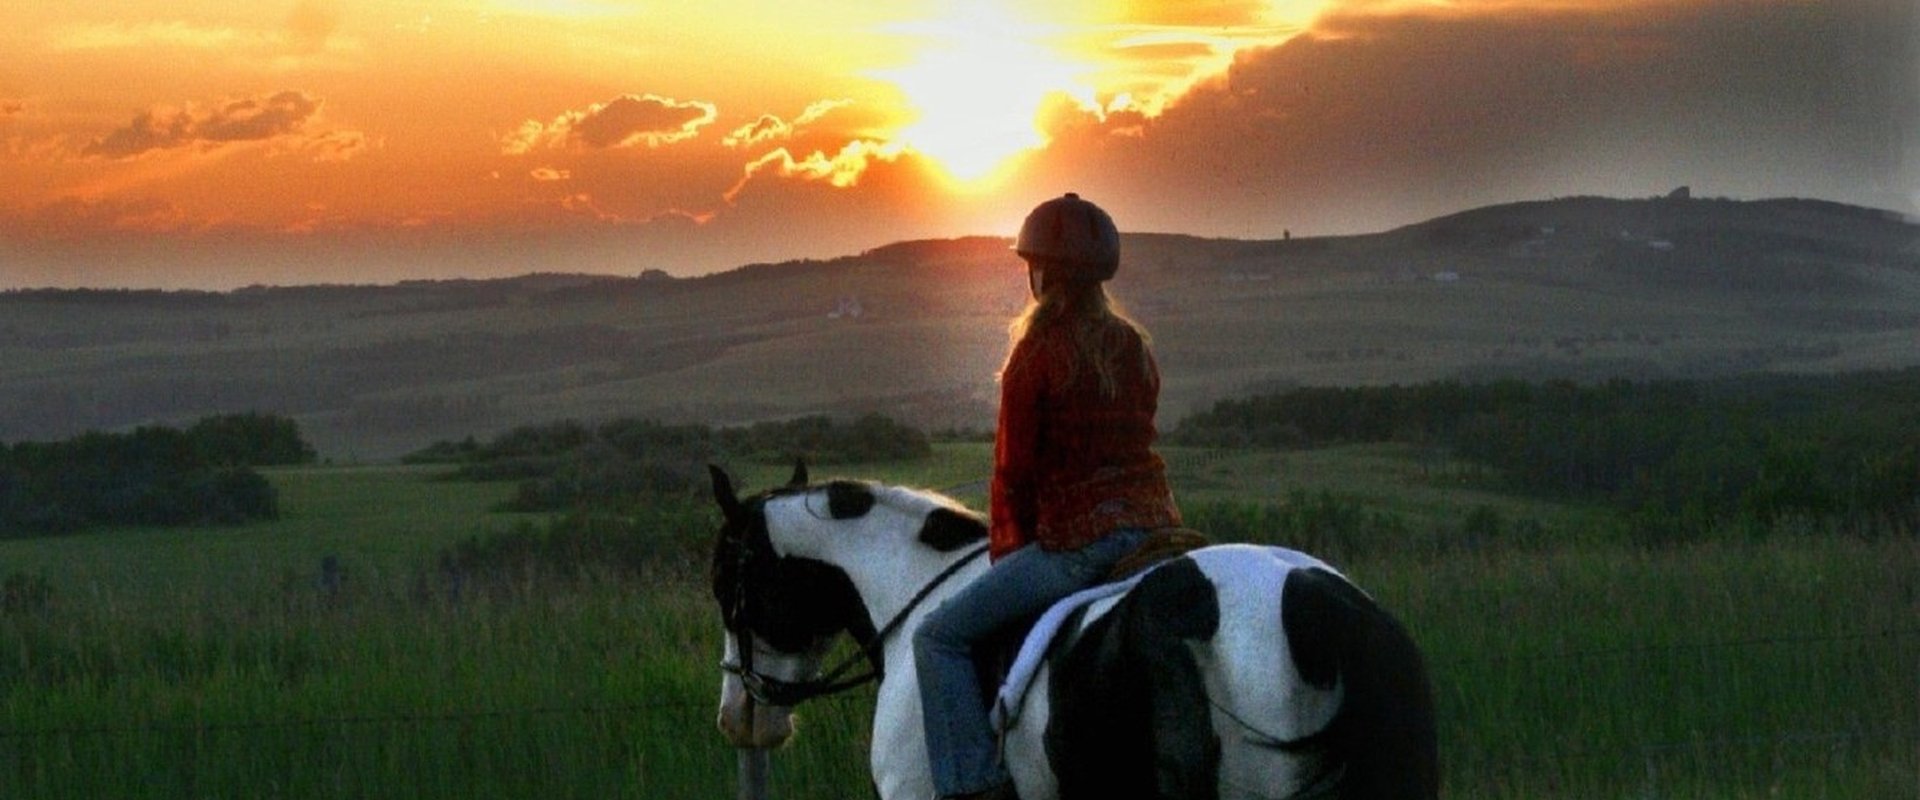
960	741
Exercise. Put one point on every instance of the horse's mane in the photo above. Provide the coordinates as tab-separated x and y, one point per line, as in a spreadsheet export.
918	500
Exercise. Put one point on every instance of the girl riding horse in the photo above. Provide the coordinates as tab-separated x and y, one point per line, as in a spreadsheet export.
1076	484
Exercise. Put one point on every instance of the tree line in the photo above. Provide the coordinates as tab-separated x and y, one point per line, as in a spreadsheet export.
1677	457
153	475
630	492
625	462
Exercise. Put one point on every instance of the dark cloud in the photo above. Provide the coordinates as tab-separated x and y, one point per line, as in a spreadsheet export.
653	119
244	120
624	121
1374	119
255	119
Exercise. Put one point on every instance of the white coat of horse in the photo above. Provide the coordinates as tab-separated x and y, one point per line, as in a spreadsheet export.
1230	672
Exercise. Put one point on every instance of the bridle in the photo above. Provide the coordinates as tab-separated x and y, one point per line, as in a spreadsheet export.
769	690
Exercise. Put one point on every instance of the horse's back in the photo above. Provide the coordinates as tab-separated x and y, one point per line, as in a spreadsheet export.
1230	672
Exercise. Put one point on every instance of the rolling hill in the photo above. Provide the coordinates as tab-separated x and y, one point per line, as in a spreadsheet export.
1578	288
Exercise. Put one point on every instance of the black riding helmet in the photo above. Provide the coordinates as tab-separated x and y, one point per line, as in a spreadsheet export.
1072	234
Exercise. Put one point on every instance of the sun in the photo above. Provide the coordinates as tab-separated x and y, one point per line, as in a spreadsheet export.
976	88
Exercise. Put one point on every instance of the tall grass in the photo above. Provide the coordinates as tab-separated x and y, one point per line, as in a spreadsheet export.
603	689
1724	670
213	665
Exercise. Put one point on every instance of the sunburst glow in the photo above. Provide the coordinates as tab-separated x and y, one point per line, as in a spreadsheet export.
975	89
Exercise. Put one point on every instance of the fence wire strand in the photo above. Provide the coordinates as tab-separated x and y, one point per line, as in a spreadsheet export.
1649	751
1727	644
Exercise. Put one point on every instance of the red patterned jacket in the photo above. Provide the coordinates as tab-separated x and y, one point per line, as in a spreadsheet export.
1071	464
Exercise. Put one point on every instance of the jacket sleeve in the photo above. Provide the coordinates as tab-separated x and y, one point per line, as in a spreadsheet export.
1013	507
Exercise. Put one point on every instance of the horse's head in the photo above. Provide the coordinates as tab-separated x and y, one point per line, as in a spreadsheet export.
781	615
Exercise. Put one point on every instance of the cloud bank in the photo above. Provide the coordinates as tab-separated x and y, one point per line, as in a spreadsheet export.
1380	117
253	119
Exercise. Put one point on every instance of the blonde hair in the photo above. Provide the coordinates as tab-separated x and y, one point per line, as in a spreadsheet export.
1091	316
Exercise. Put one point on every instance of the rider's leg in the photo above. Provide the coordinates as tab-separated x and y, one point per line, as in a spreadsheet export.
960	740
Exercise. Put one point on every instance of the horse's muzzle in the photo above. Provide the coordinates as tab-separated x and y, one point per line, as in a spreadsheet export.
748	724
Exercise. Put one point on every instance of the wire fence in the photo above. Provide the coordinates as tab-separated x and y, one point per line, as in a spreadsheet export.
353	720
1649	752
1703	646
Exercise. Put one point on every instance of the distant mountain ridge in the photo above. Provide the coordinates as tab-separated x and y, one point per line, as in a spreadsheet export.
1574	287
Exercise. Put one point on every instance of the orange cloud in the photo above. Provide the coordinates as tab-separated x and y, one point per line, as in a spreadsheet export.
842	169
84	218
548	174
584	205
682	217
332	146
625	121
10	108
765	129
243	120
818	109
770	128
120	36
309	38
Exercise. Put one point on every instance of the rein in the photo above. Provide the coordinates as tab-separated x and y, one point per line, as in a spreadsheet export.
768	690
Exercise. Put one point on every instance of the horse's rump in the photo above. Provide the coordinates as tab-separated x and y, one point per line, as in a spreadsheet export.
1130	698
1382	739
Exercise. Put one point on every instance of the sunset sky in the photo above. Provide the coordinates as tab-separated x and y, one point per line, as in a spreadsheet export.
221	143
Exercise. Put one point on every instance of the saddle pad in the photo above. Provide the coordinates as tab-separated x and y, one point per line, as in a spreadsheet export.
1006	705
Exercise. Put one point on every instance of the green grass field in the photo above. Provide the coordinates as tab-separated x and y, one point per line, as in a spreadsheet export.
208	663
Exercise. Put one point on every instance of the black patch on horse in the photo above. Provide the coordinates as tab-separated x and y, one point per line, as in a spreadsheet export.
790	603
1130	716
1382	739
849	499
947	530
742	555
807	601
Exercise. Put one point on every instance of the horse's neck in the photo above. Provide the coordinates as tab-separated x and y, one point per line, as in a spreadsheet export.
888	584
887	587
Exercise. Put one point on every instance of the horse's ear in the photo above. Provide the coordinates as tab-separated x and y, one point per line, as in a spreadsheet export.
799	473
723	492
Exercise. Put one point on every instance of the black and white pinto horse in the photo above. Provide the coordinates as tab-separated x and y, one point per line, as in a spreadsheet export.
1229	672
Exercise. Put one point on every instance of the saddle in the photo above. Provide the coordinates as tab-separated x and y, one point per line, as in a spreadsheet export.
996	659
1161	544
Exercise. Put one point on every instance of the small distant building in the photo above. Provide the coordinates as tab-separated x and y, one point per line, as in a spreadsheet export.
848	308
